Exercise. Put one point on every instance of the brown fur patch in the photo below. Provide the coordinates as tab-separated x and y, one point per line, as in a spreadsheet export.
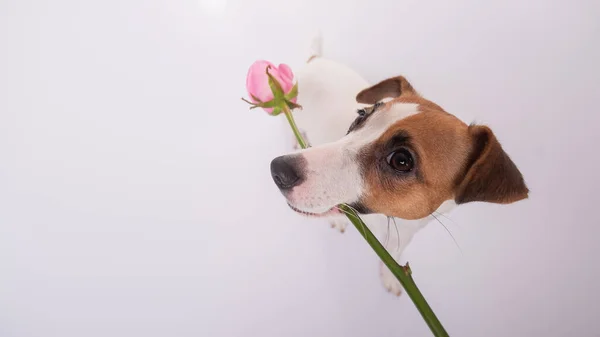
440	144
453	160
390	88
491	175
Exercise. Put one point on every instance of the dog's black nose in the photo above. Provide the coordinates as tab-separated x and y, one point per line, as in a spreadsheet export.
286	171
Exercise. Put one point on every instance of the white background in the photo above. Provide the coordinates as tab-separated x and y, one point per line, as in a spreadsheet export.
136	198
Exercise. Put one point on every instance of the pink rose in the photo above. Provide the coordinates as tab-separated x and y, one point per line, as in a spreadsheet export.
257	82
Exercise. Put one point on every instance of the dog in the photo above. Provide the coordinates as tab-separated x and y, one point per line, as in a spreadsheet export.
387	152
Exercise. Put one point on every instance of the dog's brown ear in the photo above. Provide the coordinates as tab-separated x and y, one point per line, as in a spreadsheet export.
390	88
491	176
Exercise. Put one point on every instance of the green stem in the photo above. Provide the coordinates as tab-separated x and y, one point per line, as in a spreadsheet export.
290	118
402	273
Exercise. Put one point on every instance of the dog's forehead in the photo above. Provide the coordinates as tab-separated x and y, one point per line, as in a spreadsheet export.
392	112
380	121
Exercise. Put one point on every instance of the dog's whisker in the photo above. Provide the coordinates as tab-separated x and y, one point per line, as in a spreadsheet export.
397	233
449	218
352	208
387	233
345	212
447	230
355	216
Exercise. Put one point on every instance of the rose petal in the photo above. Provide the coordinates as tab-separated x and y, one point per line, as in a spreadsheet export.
287	77
257	81
286	72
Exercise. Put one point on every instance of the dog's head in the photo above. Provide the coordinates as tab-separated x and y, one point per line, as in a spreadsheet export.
401	158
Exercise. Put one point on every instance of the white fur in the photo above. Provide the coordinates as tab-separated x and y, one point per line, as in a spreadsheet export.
327	92
333	173
328	108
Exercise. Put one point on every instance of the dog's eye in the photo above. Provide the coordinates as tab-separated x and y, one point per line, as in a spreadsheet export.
401	160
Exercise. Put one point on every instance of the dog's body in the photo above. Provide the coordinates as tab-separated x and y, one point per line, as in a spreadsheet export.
433	160
328	98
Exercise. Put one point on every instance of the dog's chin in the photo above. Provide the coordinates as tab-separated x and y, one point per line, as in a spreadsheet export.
314	214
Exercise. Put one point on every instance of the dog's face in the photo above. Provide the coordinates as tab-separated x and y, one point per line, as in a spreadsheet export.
402	158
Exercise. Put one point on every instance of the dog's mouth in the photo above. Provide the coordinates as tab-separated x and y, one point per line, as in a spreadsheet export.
332	211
